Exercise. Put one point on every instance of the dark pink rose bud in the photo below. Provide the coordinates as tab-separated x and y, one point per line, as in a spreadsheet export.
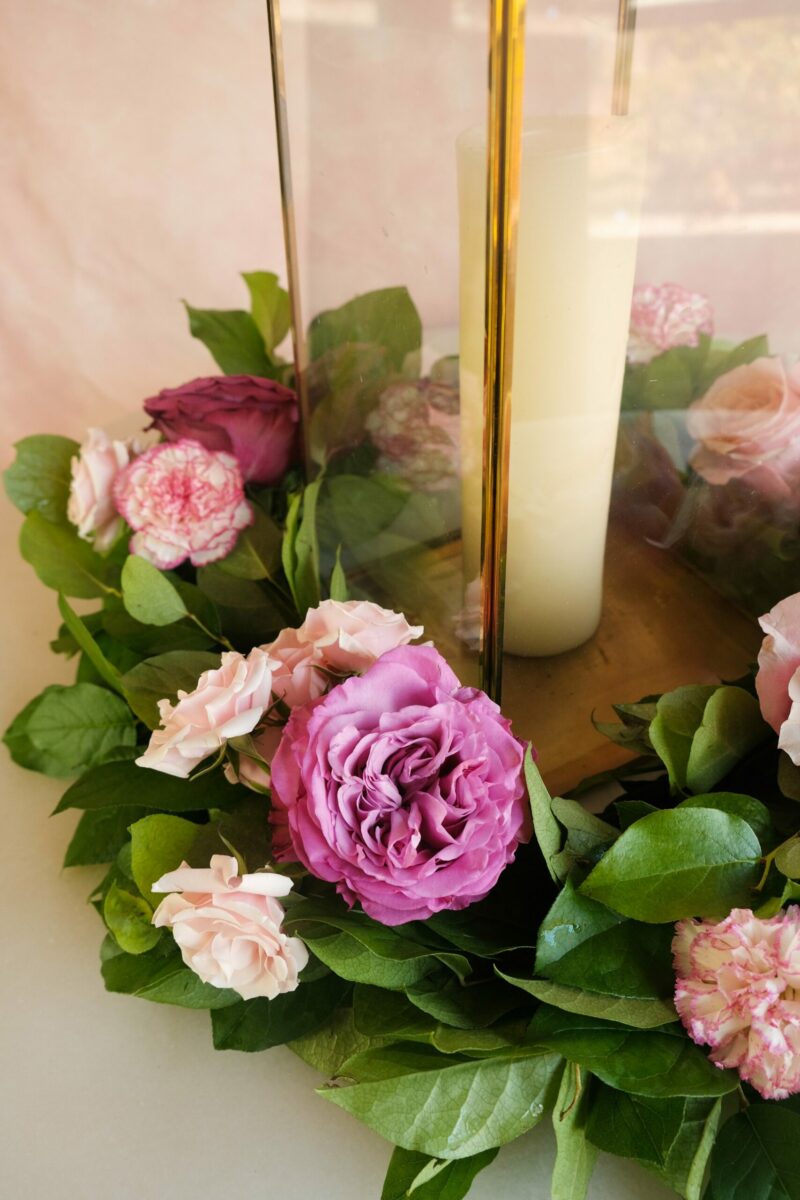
256	420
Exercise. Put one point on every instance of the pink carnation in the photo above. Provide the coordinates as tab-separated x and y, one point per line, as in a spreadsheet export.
664	317
183	501
738	991
227	702
337	638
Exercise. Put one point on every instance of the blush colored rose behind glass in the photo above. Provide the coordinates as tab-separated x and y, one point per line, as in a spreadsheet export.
401	787
778	677
738	991
748	428
229	927
255	420
182	501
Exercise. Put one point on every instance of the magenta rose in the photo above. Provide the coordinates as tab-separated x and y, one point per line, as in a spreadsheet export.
401	787
256	420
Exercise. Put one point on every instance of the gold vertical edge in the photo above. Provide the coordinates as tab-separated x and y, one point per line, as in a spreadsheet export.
623	58
299	344
506	81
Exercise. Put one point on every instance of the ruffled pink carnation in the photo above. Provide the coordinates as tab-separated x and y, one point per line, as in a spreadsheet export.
738	991
229	927
227	702
664	317
337	638
183	501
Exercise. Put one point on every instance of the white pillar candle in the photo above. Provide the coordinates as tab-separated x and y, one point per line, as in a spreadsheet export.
581	183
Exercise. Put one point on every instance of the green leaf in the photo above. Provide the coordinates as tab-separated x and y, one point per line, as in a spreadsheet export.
105	669
123	784
731	727
545	826
159	843
722	360
787	859
100	835
269	305
444	1105
148	640
257	553
679	715
74	728
392	1017
259	1024
788	777
64	561
328	1047
22	749
250	614
344	387
575	1156
233	339
364	951
471	1005
748	808
338	588
755	1156
129	919
161	677
386	318
160	977
148	595
588	837
680	863
39	478
652	1062
362	509
639	1014
413	1176
300	551
687	1161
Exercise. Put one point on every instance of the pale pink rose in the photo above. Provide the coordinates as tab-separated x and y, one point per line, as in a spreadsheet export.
778	677
228	702
183	501
738	991
228	927
337	638
748	427
91	497
252	770
665	317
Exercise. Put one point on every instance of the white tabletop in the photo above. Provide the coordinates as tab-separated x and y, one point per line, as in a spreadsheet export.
107	1097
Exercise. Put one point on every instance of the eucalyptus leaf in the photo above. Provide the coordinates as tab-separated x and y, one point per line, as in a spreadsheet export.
64	561
444	1105
680	863
233	339
39	478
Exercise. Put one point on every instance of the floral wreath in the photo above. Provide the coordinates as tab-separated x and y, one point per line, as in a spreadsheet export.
314	831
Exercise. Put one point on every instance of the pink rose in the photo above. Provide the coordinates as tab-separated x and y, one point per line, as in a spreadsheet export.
183	501
228	927
401	787
778	678
737	991
337	638
664	317
91	497
228	702
252	769
748	427
255	420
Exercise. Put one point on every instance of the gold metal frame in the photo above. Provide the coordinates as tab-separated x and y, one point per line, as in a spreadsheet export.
290	229
623	58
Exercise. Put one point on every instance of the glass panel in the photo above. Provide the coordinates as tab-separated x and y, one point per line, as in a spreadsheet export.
704	518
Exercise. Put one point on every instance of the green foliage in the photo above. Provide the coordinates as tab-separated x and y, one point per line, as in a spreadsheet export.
159	975
756	1157
545	826
128	918
159	843
300	550
269	306
257	553
646	1062
446	1106
700	733
338	586
233	339
749	809
64	561
104	668
259	1024
387	318
100	835
680	863
344	386
39	478
66	730
674	379
148	594
575	1154
123	785
413	1176
161	677
636	1012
